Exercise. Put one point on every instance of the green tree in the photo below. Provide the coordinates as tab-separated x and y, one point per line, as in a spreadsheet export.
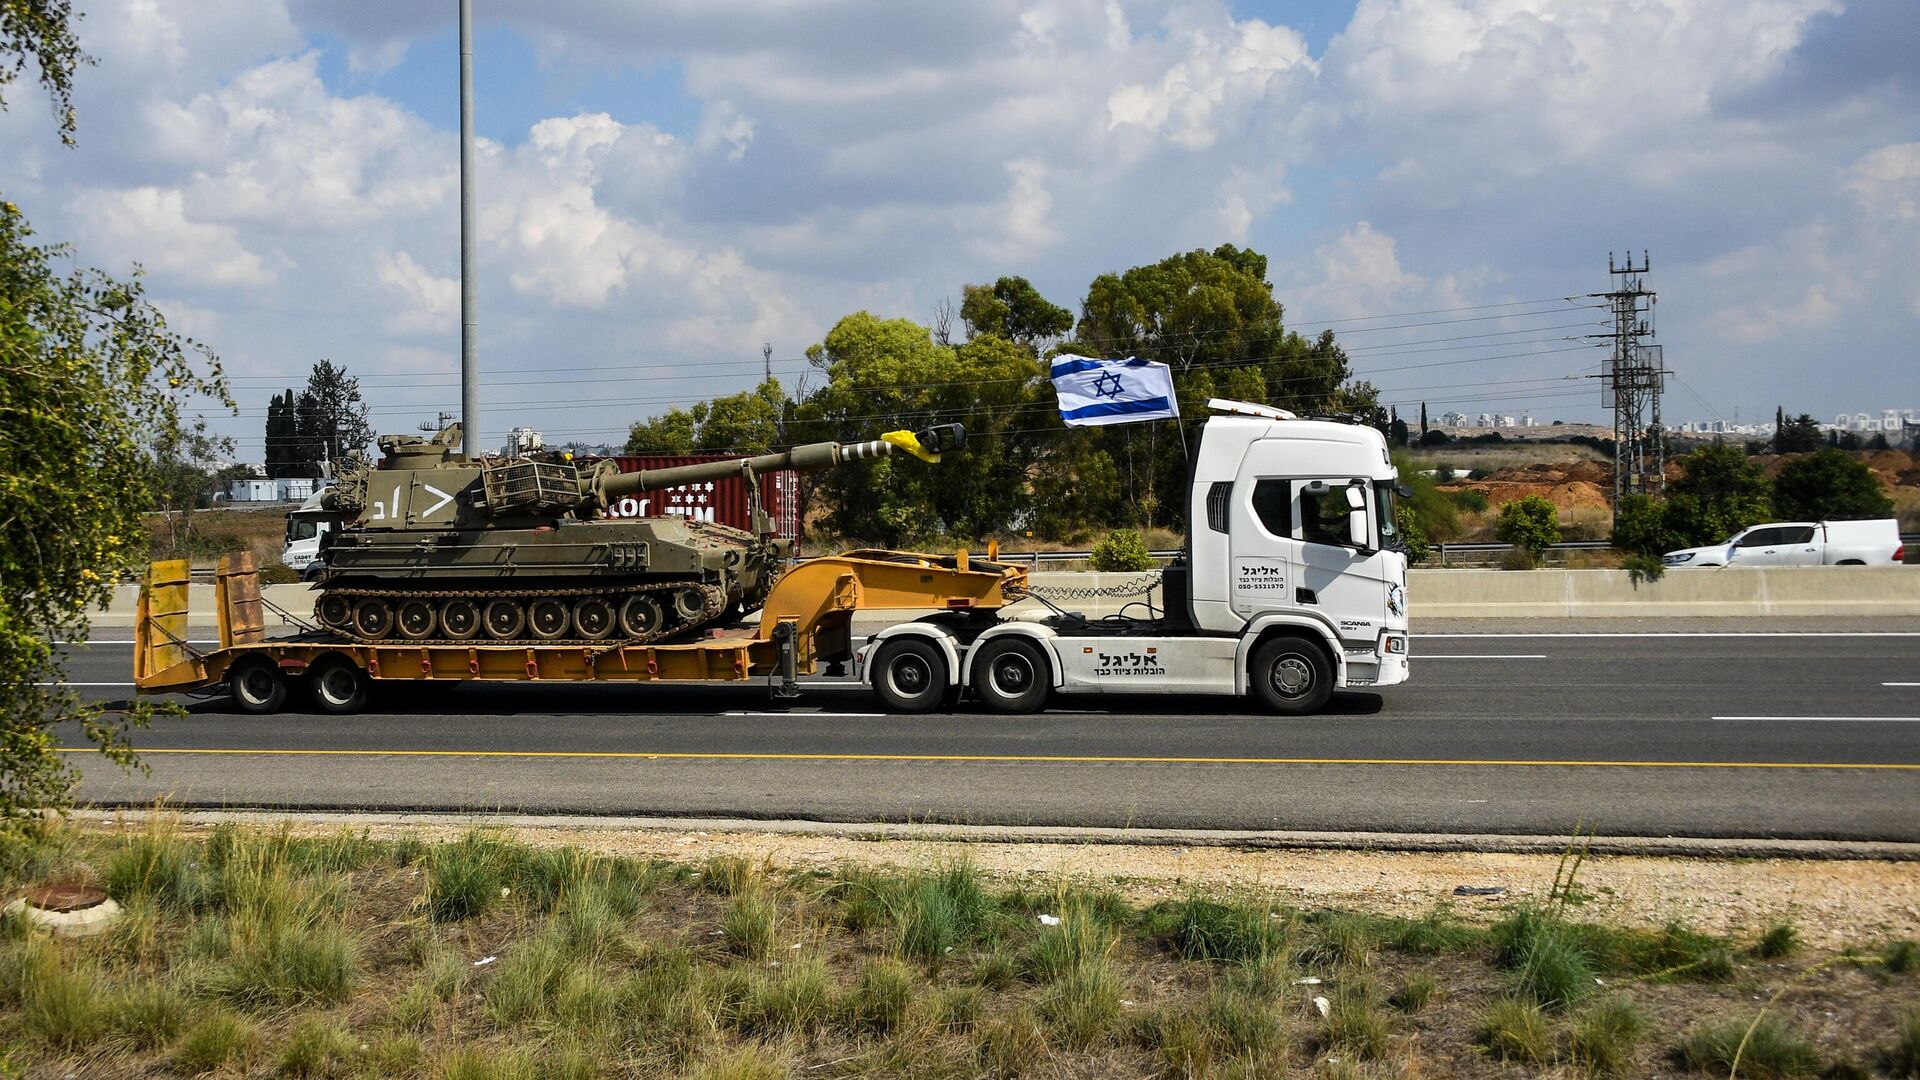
1719	493
284	449
180	480
92	381
1122	551
42	30
1014	309
672	432
330	418
1828	485
1532	523
1798	435
885	374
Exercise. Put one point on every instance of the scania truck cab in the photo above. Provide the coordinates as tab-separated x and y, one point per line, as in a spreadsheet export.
305	527
1293	584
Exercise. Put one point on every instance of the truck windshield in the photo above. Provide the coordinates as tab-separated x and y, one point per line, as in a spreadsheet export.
1384	503
301	528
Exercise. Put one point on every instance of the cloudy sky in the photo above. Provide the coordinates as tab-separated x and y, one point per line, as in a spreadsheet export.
666	185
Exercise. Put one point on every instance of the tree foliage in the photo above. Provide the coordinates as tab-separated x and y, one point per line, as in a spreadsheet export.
749	422
330	418
1532	523
1719	493
1796	435
1012	308
42	30
1123	550
92	384
1828	485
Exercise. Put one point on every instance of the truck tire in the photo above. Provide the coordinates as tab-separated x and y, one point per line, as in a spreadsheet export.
909	675
339	687
257	686
1011	675
1290	675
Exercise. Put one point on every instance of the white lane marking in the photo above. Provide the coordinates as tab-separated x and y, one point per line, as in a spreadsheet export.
1900	684
799	713
1417	636
1834	719
1481	656
83	684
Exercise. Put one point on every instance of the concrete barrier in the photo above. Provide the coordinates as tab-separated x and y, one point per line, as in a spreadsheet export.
1433	594
1822	590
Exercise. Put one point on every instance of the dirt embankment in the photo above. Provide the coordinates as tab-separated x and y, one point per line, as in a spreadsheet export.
1577	484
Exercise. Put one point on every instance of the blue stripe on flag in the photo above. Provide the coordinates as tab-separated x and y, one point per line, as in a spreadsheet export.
1117	408
1069	367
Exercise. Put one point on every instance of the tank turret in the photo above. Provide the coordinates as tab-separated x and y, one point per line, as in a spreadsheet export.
433	546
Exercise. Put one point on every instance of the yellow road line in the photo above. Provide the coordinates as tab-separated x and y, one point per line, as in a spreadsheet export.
1044	759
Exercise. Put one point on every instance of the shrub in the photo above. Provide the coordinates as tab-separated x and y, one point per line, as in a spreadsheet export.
314	1048
1122	551
1083	1005
1337	938
1516	1030
1828	484
150	1016
1011	1046
1901	958
158	865
880	999
1518	558
747	926
1414	994
1903	1057
63	1007
1643	568
217	1038
1532	523
1355	1023
941	910
1781	939
1469	500
1604	1036
1237	932
1765	1047
464	877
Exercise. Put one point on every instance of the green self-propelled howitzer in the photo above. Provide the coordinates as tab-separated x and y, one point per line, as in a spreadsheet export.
433	546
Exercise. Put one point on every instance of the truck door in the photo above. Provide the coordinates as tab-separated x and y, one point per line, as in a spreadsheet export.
1294	549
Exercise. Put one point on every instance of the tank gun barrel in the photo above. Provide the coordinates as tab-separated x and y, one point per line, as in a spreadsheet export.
927	445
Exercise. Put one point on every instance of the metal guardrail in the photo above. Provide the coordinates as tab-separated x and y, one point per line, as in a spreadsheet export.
1035	558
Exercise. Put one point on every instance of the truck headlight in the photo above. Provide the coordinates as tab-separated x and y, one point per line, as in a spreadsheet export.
1396	645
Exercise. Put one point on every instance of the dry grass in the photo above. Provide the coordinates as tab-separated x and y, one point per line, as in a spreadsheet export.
253	952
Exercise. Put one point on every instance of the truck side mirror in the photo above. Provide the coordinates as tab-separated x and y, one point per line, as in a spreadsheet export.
1357	532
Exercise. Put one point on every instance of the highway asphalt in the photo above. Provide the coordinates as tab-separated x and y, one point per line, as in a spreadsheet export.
1730	728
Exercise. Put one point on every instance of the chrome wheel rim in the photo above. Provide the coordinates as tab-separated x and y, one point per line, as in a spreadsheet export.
1292	676
909	675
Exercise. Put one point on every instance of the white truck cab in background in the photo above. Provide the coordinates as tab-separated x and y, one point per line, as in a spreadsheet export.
305	526
1293	584
1800	543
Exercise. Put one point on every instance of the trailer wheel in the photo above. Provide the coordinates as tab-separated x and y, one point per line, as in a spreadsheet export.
339	687
1011	675
257	685
909	675
1291	676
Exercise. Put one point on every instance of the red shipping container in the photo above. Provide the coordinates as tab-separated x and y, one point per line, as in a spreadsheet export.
724	502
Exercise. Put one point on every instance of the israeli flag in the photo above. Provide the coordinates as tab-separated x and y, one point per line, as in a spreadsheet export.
1094	392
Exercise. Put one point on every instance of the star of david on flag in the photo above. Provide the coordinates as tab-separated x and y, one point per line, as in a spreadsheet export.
1094	392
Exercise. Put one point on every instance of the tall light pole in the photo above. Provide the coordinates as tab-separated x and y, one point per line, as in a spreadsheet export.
469	365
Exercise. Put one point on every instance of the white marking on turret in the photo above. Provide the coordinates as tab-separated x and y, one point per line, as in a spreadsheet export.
444	500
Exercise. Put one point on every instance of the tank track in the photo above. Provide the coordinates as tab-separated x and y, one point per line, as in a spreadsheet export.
716	603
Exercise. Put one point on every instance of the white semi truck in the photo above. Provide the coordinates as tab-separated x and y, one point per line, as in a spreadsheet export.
305	527
1293	584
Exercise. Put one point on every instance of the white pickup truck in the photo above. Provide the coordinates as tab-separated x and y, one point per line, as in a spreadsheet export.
1801	543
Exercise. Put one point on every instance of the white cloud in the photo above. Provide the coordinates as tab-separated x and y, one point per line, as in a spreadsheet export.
150	225
427	304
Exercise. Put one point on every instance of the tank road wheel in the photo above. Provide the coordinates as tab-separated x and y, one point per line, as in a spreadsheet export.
640	616
592	618
1011	676
256	685
415	619
909	675
459	618
548	618
335	612
1291	676
372	618
338	686
689	604
505	618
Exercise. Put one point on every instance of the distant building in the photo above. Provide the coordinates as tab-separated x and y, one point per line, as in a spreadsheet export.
1486	420
285	489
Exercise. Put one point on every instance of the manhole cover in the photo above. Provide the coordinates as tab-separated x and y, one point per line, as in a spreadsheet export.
64	897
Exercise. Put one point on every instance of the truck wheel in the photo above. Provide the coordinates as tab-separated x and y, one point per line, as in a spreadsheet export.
339	687
909	675
1291	676
1011	676
257	686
